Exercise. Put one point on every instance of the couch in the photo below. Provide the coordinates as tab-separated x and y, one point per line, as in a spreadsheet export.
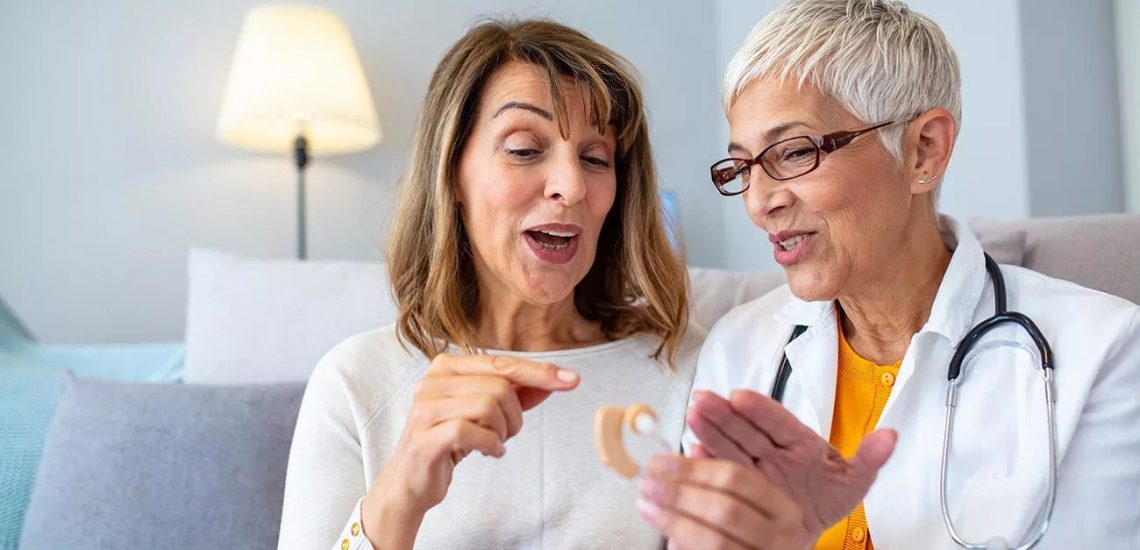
201	464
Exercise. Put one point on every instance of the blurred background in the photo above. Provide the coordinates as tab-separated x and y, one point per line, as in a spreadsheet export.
111	167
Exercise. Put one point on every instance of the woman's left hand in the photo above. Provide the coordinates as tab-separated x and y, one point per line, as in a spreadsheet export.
706	503
759	434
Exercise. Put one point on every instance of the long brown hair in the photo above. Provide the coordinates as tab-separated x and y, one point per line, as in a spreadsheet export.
638	281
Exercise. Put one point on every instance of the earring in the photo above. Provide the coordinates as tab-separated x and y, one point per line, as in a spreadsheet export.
924	181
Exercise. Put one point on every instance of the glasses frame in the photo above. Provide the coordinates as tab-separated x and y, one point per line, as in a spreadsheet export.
828	143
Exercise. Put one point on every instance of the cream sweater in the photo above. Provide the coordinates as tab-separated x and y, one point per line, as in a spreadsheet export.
550	491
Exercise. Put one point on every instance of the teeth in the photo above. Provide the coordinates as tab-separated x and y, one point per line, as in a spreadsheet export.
791	243
553	246
558	234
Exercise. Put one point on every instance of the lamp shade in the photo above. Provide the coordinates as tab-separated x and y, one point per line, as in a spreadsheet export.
295	71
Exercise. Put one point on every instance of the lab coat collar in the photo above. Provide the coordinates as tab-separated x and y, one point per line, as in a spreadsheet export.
952	314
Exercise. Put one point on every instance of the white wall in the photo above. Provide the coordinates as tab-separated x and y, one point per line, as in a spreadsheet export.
111	170
1127	16
1072	105
990	157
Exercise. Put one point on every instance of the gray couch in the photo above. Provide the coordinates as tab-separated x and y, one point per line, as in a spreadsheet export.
194	466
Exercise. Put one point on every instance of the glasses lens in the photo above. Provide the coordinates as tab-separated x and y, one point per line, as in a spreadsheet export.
730	175
791	158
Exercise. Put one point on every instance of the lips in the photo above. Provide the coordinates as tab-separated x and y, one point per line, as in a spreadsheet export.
791	246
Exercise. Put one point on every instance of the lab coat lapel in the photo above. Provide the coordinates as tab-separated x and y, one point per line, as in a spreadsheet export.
814	356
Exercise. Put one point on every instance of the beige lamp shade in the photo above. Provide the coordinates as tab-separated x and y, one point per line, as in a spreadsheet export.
296	71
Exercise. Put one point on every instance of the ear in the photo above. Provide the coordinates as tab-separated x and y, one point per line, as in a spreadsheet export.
929	143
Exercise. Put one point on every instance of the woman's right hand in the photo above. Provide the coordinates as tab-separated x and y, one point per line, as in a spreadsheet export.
464	403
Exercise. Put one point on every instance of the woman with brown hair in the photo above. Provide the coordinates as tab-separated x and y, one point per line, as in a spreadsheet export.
530	264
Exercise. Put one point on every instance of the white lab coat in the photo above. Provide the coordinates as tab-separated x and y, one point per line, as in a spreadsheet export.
999	458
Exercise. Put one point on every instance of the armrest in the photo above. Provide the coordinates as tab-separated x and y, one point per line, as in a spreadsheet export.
13	333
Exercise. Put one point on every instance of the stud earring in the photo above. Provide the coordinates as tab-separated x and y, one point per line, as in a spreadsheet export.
924	181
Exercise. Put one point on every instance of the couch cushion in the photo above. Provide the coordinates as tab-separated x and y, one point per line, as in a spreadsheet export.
1006	247
1100	252
715	291
30	385
163	466
28	393
263	321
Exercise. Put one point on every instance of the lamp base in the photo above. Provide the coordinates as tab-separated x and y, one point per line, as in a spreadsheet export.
301	158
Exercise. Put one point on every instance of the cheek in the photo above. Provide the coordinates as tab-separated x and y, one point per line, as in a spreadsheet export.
857	215
601	199
495	198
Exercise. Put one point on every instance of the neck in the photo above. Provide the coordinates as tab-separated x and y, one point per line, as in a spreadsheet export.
506	323
881	316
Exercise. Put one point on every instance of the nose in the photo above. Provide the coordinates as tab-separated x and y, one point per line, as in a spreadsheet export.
565	182
765	197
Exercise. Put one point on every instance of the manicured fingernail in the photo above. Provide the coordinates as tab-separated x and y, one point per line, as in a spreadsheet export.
502	450
663	464
651	488
567	375
649	511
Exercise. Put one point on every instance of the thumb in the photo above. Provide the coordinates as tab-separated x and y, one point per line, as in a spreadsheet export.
873	454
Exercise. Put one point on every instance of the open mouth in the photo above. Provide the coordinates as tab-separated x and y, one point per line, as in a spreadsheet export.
789	247
792	243
554	243
552	240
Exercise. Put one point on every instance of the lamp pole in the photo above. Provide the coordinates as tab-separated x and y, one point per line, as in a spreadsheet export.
301	157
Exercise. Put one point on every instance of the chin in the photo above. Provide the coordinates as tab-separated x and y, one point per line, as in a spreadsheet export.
549	286
810	285
549	295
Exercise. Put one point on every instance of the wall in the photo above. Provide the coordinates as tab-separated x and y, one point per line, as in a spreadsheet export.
112	172
1127	17
1072	106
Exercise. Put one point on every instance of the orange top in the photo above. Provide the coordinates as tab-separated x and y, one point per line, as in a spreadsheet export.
861	392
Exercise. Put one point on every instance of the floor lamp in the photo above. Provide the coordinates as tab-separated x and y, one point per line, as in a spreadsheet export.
296	86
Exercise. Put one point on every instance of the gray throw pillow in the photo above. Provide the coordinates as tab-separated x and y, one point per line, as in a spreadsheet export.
1101	252
163	466
1005	244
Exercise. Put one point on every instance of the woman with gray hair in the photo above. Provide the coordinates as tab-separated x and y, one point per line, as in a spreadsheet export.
843	116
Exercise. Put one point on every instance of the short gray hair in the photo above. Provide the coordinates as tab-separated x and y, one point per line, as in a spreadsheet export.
880	59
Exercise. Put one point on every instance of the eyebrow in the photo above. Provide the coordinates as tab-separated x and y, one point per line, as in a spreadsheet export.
526	107
768	136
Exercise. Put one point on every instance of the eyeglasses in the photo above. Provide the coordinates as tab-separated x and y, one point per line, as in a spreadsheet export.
783	160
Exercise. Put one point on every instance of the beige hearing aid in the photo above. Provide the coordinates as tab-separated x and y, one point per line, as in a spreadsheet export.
608	423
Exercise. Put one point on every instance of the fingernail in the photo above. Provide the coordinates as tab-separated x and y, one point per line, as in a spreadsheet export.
502	450
649	511
567	375
663	464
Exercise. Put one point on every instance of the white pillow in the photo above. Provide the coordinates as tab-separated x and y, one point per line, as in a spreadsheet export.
264	321
716	291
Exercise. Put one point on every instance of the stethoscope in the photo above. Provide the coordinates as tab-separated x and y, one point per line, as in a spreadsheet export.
1001	316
